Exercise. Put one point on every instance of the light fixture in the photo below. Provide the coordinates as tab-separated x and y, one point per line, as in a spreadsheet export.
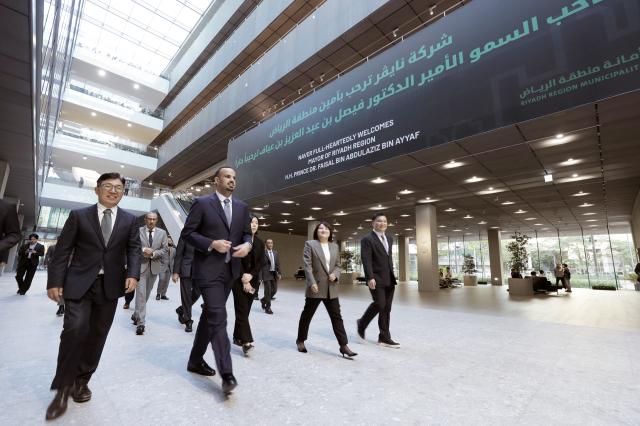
405	192
482	222
309	218
570	162
585	205
474	179
136	86
450	209
495	227
288	201
588	214
468	216
457	230
341	213
575	175
378	207
580	194
592	226
261	217
359	227
285	214
405	215
128	124
206	185
102	73
408	229
559	136
336	223
151	183
427	200
431	8
93	114
452	164
368	220
507	203
84	157
531	218
591	220
289	229
316	208
122	166
325	192
378	180
520	211
548	177
198	189
285	222
442	226
537	224
258	208
491	188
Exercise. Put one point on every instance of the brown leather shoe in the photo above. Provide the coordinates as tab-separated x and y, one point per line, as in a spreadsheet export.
59	404
81	393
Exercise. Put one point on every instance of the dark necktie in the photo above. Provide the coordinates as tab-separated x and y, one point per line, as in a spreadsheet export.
150	239
105	226
227	214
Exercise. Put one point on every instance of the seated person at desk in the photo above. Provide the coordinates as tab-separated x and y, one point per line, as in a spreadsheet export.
300	273
541	283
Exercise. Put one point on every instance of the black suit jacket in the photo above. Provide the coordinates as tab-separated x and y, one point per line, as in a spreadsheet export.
9	226
377	263
205	223
182	263
266	266
254	261
34	260
81	252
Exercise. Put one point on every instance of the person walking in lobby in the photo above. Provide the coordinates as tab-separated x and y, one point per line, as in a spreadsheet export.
154	249
165	276
189	292
29	258
558	272
321	257
270	276
245	287
377	260
218	228
97	260
567	277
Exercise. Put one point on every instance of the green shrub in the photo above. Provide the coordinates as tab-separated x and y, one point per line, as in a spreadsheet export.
603	287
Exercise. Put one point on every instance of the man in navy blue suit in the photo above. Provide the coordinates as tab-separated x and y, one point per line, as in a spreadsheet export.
218	228
97	260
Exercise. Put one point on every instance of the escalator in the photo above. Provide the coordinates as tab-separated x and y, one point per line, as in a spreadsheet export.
173	210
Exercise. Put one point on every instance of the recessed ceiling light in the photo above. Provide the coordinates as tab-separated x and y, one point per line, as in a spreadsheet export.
495	227
585	205
570	162
258	208
341	213
261	217
309	218
405	215
548	177
336	223
520	211
378	207
427	200
507	203
405	192
285	222
128	124
592	226
591	220
452	164
325	192
285	214
482	222
442	226
392	224
450	209
136	86
264	225
408	229
355	233
588	214
491	188
316	208
537	224
379	180
531	218
102	73
474	179
198	189
368	220
359	227
468	216
580	194
559	136
575	175
93	114
457	230
206	185
288	202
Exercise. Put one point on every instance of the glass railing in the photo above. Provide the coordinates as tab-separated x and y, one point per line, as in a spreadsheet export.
120	102
61	176
108	55
108	140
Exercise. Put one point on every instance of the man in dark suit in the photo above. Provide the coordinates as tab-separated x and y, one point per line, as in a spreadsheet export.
28	260
189	293
218	228
377	260
97	260
270	275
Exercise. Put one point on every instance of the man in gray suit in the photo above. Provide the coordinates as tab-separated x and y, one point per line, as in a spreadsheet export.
154	248
165	275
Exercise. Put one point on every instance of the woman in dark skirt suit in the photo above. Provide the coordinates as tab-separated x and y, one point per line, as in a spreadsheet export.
244	288
321	266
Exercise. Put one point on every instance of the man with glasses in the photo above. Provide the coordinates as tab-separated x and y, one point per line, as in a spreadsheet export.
154	249
97	260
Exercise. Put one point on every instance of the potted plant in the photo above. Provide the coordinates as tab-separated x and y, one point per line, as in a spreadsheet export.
347	263
517	262
469	270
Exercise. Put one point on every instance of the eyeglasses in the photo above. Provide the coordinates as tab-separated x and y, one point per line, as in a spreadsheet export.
109	187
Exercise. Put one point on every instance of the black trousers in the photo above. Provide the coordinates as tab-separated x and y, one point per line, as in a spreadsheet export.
189	293
212	327
333	308
24	275
128	297
242	303
269	289
381	306
87	322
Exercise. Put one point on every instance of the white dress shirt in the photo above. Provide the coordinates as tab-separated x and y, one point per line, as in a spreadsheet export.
114	213
222	198
383	240
327	254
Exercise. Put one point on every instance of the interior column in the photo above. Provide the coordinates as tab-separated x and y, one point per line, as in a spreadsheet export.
427	244
495	256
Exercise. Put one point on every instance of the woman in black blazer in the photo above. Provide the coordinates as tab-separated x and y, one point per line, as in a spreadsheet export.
244	288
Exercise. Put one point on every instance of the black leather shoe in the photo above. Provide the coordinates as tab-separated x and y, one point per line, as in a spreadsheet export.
59	404
264	306
126	305
134	319
81	393
269	311
157	297
273	298
164	298
388	343
229	383
179	311
201	368
346	352
188	328
140	330
301	347
60	311
246	348
360	329
255	296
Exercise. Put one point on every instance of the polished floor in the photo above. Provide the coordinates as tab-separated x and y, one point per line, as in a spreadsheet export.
468	356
